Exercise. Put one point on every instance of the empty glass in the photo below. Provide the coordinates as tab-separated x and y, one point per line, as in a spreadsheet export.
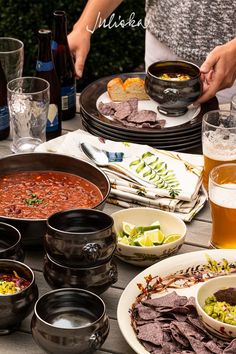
28	101
11	57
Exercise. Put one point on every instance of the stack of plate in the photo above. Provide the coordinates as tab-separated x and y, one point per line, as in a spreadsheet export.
179	134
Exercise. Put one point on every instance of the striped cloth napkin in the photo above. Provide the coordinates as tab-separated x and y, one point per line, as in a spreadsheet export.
146	176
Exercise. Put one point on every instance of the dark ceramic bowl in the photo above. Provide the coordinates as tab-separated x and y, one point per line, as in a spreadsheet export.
16	307
10	243
70	321
96	279
33	230
80	237
173	97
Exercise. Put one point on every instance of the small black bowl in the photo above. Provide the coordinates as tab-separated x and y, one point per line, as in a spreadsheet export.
70	321
173	96
16	307
10	243
96	279
80	237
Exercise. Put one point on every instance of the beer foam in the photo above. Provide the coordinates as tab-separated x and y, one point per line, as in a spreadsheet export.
219	146
224	196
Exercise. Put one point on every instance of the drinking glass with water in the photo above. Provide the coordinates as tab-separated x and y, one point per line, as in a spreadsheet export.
28	101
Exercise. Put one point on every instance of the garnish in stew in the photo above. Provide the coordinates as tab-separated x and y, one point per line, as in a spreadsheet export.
12	283
174	77
38	194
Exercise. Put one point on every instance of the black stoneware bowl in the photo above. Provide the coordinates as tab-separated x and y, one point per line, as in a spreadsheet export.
70	321
80	237
10	243
96	279
14	308
33	230
173	97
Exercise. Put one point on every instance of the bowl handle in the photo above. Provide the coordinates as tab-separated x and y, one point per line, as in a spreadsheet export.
91	251
96	340
113	274
171	94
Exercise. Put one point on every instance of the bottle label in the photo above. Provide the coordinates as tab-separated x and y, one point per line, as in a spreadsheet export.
4	117
44	65
54	45
68	97
52	121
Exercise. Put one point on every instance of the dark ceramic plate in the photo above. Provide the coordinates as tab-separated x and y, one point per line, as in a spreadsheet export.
152	142
194	134
174	147
152	134
90	95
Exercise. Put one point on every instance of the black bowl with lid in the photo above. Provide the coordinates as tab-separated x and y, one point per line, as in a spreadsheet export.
173	96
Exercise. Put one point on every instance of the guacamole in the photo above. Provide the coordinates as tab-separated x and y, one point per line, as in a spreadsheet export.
220	310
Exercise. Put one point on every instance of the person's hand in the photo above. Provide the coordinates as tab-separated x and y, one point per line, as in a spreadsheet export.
218	70
79	43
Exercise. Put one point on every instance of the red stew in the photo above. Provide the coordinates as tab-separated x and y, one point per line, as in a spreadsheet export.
38	194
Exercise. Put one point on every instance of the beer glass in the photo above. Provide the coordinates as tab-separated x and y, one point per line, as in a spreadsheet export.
11	57
28	101
218	140
222	195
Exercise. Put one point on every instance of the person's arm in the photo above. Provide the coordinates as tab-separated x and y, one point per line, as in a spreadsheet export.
218	70
79	39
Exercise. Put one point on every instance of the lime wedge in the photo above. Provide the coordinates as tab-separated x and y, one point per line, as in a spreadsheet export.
156	224
156	236
171	238
124	240
143	241
128	228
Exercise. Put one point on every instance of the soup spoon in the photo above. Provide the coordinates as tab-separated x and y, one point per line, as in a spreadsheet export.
100	157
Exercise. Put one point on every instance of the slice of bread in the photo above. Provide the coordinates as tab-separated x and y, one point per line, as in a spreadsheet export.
121	91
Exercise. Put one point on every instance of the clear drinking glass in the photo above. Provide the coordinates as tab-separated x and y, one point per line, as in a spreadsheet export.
28	101
222	195
233	103
218	140
11	57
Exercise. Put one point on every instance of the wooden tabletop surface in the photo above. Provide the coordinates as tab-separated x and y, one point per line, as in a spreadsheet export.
21	341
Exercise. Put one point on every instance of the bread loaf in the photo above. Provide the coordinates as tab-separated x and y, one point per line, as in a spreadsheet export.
122	91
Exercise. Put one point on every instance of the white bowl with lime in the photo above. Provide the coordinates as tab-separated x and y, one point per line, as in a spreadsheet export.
147	235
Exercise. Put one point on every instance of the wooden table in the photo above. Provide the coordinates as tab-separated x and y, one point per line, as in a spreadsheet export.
21	342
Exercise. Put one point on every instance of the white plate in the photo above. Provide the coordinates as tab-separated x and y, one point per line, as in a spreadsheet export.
166	267
152	105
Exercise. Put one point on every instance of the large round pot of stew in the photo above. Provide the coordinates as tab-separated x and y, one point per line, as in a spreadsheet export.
36	185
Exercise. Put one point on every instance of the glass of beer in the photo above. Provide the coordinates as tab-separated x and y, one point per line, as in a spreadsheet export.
222	196
218	140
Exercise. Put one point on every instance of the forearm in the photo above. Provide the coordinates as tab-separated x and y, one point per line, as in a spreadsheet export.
94	12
